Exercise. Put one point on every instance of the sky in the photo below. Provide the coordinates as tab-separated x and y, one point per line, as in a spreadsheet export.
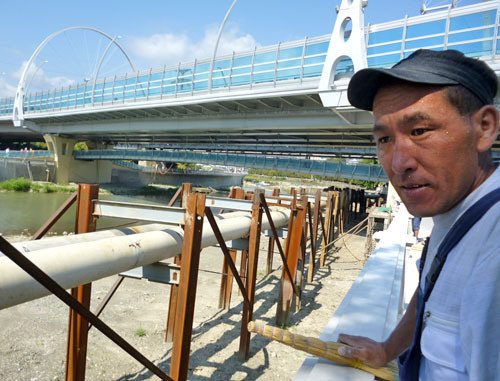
156	33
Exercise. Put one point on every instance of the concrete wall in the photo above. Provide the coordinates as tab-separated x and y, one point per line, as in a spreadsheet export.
105	172
130	178
90	172
12	168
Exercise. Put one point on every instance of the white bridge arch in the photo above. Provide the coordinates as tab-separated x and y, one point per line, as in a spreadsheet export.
18	111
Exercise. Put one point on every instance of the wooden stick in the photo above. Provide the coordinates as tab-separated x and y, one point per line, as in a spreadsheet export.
324	349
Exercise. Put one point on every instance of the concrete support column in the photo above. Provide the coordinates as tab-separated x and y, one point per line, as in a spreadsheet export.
68	169
63	151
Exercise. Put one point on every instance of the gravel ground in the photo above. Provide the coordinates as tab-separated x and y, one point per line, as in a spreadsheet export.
33	334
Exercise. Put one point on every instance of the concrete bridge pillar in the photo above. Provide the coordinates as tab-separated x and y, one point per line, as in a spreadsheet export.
70	170
63	150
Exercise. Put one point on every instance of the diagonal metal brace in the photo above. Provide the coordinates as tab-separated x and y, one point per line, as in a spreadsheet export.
280	249
55	217
225	251
51	285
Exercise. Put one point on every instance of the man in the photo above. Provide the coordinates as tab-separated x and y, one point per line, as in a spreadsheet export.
434	128
415	226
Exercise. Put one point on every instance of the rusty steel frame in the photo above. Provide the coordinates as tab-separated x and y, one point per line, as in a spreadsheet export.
55	217
108	297
40	276
299	272
226	285
176	196
270	245
76	351
227	255
294	239
190	260
251	280
314	234
184	193
327	227
278	244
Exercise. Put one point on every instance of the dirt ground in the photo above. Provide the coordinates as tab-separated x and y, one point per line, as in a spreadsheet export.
33	335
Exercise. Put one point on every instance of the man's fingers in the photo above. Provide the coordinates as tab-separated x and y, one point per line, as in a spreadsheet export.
349	339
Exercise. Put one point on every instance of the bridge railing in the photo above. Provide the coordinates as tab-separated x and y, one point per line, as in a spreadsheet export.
281	163
471	29
296	61
25	154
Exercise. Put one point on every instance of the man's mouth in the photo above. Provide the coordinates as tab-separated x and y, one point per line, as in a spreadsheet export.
414	186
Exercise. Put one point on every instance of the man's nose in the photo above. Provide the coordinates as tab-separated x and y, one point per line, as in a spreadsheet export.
403	157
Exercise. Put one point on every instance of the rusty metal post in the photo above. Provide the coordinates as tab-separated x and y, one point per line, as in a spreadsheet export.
312	254
253	256
55	217
76	351
243	266
270	245
327	228
295	238
190	260
299	277
314	234
337	205
226	283
172	302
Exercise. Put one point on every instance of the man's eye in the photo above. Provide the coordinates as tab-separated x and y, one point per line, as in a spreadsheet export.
418	131
384	139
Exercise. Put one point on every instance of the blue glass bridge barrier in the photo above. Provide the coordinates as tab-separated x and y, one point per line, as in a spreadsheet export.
295	61
26	155
471	29
280	163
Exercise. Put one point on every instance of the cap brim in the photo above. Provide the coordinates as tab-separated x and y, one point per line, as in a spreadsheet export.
364	84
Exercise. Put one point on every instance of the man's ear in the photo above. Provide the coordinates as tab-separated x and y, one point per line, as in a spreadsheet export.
486	121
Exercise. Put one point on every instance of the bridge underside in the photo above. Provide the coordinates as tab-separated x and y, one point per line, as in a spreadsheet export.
10	135
298	125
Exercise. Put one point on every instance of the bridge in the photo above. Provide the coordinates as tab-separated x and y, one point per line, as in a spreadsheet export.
287	99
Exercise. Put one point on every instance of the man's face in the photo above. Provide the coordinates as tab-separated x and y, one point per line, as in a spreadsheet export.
427	149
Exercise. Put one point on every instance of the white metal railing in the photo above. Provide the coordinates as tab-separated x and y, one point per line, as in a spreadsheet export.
472	29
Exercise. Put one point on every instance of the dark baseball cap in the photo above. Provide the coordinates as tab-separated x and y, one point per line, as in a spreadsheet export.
448	67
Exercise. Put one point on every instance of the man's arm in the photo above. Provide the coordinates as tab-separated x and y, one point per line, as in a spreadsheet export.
378	354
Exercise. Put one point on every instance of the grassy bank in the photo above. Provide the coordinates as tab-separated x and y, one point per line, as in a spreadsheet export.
21	184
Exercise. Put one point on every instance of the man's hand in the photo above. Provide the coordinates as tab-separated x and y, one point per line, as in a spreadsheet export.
378	354
369	351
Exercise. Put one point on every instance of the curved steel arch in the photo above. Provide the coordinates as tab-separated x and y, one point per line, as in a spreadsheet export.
18	112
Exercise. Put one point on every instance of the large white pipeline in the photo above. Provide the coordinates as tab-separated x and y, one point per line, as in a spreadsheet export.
81	263
29	246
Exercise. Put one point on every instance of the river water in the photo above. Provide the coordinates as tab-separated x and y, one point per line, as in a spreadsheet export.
24	212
